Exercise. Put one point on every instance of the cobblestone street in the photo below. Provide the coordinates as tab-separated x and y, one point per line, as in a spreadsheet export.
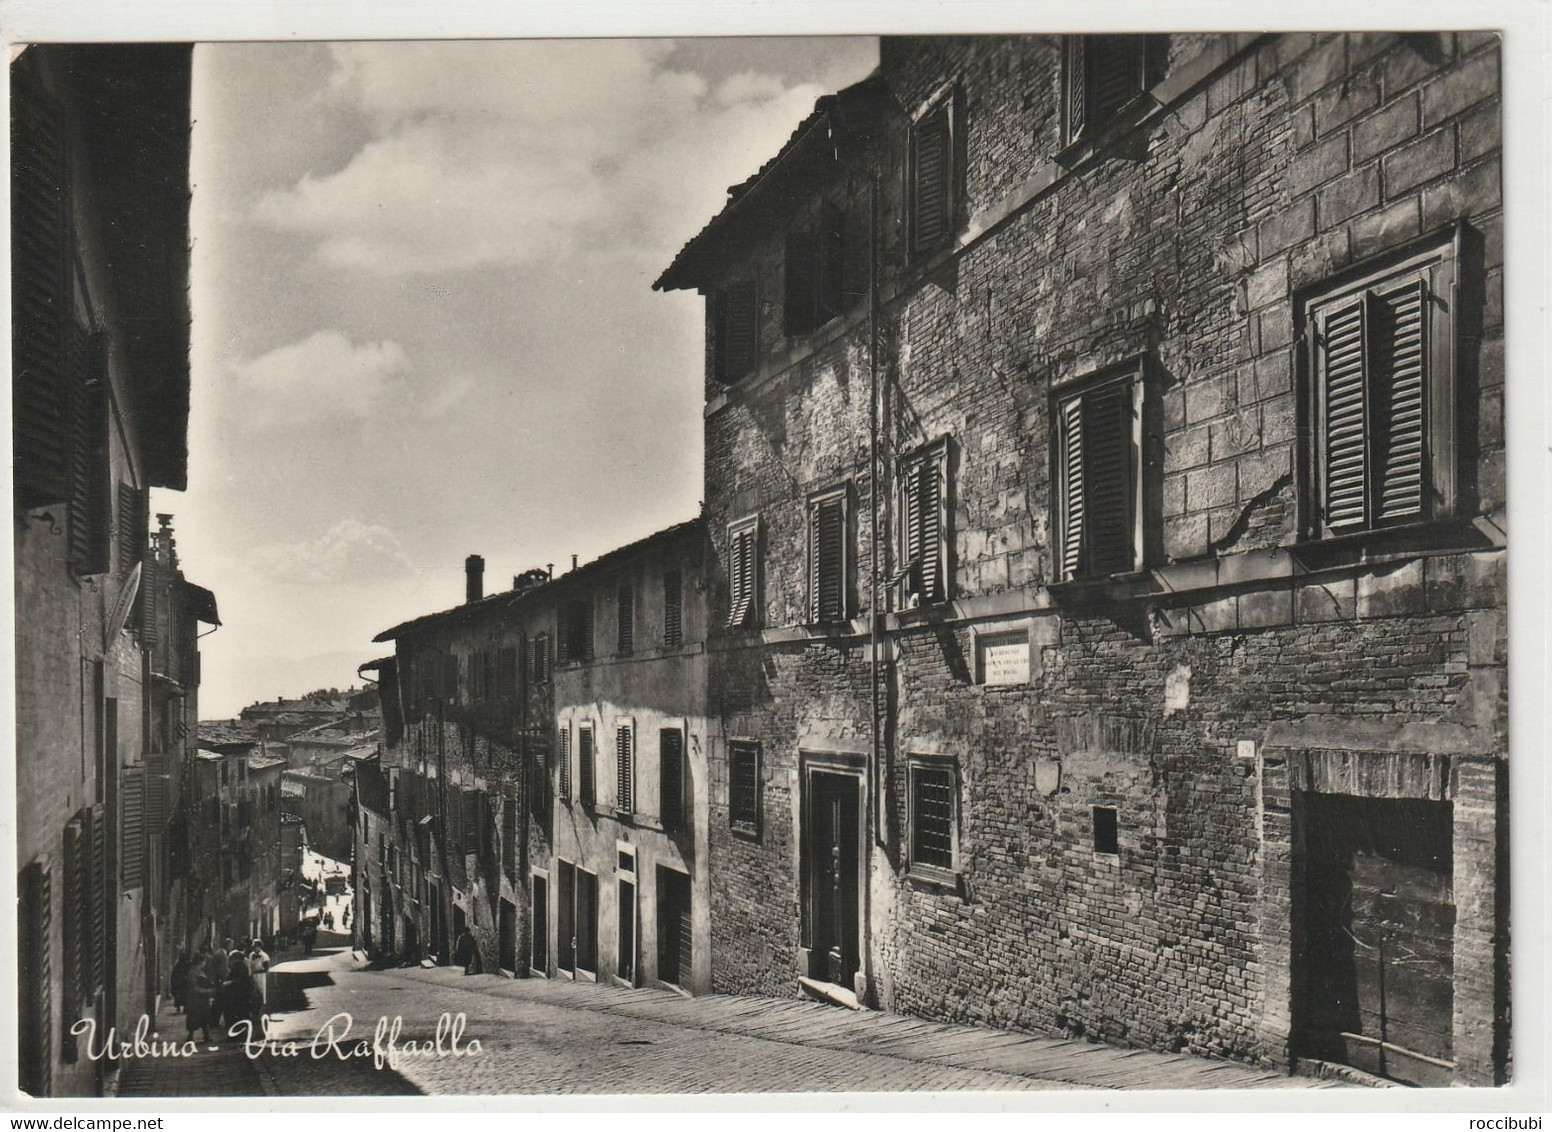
540	1036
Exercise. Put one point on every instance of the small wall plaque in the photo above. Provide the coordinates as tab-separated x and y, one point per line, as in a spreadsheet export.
1004	658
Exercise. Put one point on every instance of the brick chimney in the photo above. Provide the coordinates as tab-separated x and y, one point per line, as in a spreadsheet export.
474	577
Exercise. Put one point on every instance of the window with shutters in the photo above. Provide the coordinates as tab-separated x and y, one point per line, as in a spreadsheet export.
1098	496
672	802
744	786
130	527
933	175
673	609
576	631
1101	75
35	1050
933	818
587	788
132	826
90	505
563	760
922	534
625	768
1379	355
829	557
625	619
744	573
539	658
735	318
506	674
813	272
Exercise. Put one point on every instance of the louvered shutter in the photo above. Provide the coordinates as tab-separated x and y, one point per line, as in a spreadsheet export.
1073	496
99	898
89	487
587	766
1075	85
832	264
565	763
1114	73
36	977
76	927
1398	403
671	798
827	549
40	258
131	526
673	597
1108	478
132	825
686	926
931	180
625	770
1343	361
741	566
930	517
472	835
800	279
625	610
911	518
737	331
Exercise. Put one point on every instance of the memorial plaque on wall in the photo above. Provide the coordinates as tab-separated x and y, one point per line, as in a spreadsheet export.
1004	658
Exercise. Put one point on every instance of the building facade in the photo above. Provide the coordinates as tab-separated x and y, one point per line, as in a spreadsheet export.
1104	477
236	877
107	668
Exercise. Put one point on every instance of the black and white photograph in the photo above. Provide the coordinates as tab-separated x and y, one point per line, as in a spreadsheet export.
806	564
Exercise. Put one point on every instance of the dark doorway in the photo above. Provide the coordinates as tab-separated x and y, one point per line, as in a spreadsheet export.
675	928
540	957
626	961
508	930
438	941
1374	979
831	855
565	925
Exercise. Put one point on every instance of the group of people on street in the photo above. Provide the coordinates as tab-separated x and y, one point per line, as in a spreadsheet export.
221	985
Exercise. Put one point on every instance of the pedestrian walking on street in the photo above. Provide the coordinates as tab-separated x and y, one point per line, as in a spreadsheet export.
241	997
201	999
465	953
258	963
180	979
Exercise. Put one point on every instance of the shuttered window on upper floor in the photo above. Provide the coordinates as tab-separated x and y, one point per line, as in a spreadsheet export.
625	768
90	503
672	800
1100	75
1098	496
923	520
744	786
933	176
735	330
587	792
829	557
673	609
814	272
743	573
563	759
1382	394
625	619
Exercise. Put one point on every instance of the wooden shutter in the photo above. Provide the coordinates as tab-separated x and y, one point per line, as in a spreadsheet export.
1398	402
741	569
564	758
89	487
469	801
1114	73
132	825
827	560
132	523
586	767
931	178
911	519
671	800
1343	362
832	264
625	609
1075	85
36	978
625	770
800	282
40	294
673	615
98	890
930	516
1072	488
509	836
737	331
1108	478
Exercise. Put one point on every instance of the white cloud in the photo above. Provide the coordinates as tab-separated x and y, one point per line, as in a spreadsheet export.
505	153
324	377
349	551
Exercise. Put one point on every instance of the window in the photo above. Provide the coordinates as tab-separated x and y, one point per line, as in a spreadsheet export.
133	518
625	619
564	760
736	330
933	817
1098	488
932	176
673	610
625	768
506	674
923	511
625	935
744	573
89	508
588	792
675	927
744	786
1383	450
829	557
1106	837
671	778
539	659
576	634
813	271
1100	75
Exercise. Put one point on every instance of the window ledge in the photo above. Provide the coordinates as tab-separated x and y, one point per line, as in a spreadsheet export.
933	877
749	831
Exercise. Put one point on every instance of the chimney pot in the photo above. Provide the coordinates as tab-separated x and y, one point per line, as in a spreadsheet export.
474	577
573	561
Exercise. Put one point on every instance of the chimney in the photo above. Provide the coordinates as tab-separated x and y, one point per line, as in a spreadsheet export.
474	577
573	561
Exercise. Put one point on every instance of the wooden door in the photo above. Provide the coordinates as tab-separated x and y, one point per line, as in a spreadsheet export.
832	854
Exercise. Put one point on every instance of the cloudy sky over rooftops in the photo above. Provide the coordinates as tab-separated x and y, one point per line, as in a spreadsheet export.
424	324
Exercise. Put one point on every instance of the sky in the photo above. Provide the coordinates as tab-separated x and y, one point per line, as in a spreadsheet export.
424	325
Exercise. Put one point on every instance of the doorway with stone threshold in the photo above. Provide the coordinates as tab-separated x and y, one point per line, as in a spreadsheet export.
832	862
